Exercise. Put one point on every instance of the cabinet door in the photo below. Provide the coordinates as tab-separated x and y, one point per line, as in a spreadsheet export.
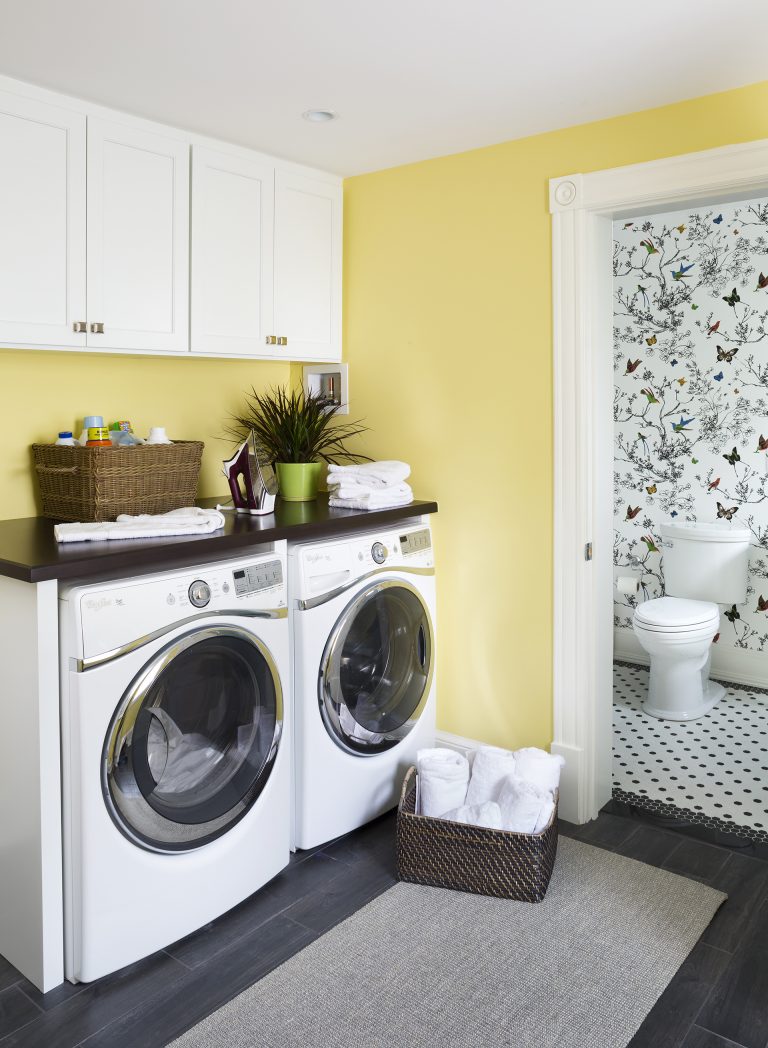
138	239
308	266
232	231
42	223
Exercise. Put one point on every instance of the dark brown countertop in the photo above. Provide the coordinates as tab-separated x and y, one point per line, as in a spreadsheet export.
29	552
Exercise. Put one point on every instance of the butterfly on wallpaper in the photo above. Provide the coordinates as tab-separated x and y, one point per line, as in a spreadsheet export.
649	247
680	229
695	462
682	381
674	363
718	377
652	547
673	513
731	299
762	604
632	513
678	427
762	282
694	306
714	328
716	638
628	225
652	489
762	443
718	220
714	484
651	341
632	365
733	614
727	354
723	511
652	399
679	274
736	392
733	458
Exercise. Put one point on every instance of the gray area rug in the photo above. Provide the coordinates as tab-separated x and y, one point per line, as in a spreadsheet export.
421	967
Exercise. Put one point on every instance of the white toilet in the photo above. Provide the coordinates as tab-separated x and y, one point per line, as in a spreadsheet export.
705	565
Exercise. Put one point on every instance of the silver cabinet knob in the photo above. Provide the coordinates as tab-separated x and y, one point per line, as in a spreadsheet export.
79	327
97	329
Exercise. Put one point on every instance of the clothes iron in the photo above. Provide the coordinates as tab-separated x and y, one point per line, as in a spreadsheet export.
253	484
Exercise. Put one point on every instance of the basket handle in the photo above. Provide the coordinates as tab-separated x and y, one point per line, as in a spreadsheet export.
56	469
407	783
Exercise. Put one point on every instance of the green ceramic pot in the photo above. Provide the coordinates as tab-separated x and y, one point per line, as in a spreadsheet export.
298	480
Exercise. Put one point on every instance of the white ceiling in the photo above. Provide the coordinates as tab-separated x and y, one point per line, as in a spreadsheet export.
410	79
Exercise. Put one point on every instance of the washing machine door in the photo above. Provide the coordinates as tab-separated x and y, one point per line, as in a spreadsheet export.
193	741
377	668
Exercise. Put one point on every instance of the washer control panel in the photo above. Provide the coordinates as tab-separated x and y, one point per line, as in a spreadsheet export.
199	593
257	577
416	541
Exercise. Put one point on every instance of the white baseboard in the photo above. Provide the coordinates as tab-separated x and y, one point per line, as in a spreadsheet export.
732	664
456	742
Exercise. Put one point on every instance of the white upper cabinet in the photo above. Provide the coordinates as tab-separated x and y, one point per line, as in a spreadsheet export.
232	227
138	239
308	266
42	223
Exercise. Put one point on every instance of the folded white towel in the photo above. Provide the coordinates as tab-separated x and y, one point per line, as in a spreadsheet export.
377	474
372	495
490	767
524	807
487	814
539	767
383	499
442	780
189	521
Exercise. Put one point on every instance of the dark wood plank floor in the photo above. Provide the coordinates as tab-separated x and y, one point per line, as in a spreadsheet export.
718	999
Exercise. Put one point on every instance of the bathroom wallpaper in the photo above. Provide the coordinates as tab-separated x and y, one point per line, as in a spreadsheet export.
691	392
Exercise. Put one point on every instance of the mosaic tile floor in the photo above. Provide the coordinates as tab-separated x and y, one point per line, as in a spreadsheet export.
712	771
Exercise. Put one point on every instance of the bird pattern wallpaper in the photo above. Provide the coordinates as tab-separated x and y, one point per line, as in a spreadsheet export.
690	405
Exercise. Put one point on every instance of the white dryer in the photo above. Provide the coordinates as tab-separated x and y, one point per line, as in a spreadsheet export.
363	616
176	753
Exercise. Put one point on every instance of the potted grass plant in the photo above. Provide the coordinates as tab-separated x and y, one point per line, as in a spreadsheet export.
294	431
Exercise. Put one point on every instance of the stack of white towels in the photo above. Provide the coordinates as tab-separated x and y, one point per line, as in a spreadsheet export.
505	790
370	485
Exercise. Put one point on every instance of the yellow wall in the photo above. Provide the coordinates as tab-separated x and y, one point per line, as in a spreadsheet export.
448	336
42	393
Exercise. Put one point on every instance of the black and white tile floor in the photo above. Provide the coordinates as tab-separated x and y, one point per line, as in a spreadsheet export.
712	771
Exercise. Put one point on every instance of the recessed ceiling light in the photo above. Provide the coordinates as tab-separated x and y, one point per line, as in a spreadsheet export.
319	116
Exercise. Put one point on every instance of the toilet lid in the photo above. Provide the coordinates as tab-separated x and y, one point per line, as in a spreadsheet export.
676	612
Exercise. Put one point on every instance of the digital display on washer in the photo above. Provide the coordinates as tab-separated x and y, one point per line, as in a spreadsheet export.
257	577
415	541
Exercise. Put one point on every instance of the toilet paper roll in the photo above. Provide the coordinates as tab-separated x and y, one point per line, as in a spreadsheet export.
628	584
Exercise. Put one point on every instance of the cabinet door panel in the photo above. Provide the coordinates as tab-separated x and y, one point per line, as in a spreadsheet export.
138	239
42	223
308	266
232	231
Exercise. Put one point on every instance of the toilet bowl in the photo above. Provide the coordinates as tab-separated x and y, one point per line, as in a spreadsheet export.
677	634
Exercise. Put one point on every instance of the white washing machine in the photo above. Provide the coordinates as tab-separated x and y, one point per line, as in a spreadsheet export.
176	753
363	616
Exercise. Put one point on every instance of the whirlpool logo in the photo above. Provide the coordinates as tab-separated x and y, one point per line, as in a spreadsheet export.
99	603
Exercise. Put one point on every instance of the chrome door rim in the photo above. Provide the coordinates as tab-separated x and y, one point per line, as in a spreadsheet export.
326	701
122	723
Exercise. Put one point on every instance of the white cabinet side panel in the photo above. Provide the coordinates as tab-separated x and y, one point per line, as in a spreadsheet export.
31	923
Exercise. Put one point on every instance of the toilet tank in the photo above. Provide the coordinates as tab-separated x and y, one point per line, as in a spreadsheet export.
706	561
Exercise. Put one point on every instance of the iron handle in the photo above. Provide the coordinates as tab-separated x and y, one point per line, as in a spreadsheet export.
97	329
79	327
271	340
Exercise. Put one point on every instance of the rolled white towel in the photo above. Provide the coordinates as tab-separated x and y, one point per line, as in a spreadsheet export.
539	767
487	814
442	782
524	807
381	474
490	767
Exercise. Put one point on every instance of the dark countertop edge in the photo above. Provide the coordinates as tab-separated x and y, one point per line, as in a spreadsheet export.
176	552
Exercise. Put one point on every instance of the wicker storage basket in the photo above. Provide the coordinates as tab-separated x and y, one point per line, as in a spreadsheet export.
95	484
474	859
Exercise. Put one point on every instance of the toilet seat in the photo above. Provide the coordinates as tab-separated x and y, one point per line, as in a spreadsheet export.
676	615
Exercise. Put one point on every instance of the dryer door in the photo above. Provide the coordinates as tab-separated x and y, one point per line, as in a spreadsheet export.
193	741
377	668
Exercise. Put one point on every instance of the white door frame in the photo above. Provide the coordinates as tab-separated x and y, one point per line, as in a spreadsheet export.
583	208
